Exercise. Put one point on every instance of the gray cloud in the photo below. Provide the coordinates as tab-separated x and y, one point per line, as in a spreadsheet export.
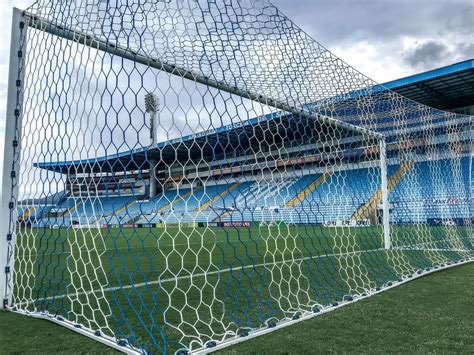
467	49
332	21
388	25
463	21
426	55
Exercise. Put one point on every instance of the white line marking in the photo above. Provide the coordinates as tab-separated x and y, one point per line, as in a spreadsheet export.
434	249
82	250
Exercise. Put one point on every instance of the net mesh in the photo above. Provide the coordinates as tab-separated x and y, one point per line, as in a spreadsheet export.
192	172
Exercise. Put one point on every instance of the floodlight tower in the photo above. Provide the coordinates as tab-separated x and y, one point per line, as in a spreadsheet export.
152	107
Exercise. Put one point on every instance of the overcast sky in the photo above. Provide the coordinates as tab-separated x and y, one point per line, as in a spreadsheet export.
389	39
384	39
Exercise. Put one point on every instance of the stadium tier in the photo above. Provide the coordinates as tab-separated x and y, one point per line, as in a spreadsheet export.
332	198
440	193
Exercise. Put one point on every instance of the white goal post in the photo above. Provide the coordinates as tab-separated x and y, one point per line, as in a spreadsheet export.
11	147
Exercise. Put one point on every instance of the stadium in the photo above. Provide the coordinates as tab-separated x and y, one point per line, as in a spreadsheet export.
234	188
176	195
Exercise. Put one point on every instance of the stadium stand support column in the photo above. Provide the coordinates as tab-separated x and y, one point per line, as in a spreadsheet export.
385	203
10	168
153	181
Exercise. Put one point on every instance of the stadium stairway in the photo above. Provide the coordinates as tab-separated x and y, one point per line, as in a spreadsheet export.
123	208
308	190
71	209
119	210
215	198
222	216
369	207
436	190
260	198
230	198
178	198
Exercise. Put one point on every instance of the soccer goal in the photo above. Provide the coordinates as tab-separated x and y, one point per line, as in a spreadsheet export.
180	176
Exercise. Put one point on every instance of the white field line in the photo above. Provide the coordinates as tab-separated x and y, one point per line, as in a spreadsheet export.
432	244
82	250
406	247
435	249
210	273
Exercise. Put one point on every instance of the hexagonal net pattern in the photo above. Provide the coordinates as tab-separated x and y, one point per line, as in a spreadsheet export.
190	173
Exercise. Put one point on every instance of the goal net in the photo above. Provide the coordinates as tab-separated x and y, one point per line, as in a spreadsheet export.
182	175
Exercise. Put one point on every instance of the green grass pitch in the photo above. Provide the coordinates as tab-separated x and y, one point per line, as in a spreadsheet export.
430	315
153	285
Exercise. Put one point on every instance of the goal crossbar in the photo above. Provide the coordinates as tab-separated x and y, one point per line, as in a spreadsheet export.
115	49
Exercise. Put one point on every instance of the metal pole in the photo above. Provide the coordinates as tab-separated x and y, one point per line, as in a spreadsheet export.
153	124
11	157
153	182
385	204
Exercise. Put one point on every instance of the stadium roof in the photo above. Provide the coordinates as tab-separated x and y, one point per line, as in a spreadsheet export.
225	142
444	88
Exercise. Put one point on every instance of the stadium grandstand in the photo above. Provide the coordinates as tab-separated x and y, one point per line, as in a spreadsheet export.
223	187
